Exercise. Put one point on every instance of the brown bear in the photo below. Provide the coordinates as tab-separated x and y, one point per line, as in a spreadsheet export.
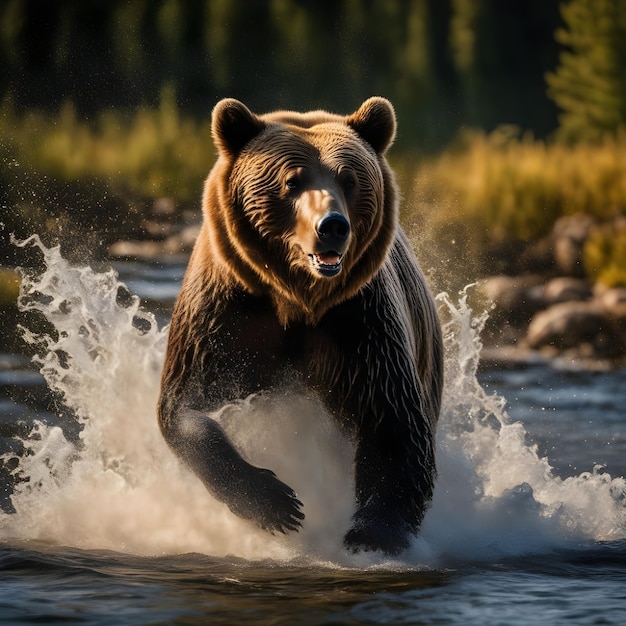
301	268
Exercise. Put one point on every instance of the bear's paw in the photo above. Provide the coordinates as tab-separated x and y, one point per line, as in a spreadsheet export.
377	528
262	498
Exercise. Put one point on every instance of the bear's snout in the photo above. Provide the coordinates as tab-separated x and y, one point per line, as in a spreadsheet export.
323	230
333	230
333	233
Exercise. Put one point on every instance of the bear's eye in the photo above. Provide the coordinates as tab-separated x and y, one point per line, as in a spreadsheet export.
348	182
293	183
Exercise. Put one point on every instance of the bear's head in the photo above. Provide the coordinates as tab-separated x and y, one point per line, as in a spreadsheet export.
302	206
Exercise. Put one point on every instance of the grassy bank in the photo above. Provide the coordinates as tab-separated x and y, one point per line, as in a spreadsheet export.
472	206
153	152
491	196
97	180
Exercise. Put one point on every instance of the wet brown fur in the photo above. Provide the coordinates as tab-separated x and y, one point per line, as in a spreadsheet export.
367	339
228	244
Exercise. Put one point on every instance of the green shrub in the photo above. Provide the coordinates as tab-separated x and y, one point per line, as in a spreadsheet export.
604	253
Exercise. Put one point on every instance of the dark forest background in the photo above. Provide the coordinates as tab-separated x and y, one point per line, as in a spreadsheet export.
444	63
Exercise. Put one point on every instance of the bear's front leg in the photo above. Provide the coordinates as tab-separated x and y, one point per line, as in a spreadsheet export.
394	476
250	492
394	422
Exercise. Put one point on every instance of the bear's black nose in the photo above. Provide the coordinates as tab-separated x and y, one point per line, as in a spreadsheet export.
333	229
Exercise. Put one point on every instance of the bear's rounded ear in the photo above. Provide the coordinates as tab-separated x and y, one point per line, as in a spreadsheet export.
233	126
375	122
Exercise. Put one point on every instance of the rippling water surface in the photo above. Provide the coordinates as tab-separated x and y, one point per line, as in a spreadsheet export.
101	525
582	586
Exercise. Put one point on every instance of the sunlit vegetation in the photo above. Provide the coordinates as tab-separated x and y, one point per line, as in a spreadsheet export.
487	191
153	152
506	188
605	254
97	180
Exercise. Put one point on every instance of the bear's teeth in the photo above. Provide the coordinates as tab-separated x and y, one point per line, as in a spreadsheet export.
328	259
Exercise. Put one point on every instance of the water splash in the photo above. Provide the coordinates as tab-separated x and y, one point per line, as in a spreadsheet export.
495	495
116	485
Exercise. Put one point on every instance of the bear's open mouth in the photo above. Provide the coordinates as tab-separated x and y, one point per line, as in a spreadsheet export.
327	263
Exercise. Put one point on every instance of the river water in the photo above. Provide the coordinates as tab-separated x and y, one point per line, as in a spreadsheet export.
100	524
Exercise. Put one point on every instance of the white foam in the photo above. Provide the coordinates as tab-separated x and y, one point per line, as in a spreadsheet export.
121	488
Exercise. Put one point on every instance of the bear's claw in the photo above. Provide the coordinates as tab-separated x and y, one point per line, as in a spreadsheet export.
269	502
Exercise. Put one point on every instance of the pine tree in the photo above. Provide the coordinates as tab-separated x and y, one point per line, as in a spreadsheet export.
589	85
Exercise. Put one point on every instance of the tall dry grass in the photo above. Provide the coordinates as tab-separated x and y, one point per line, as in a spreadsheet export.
483	198
501	192
154	152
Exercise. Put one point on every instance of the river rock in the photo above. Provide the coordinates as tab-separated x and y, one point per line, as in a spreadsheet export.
180	242
566	289
584	327
514	298
614	302
136	249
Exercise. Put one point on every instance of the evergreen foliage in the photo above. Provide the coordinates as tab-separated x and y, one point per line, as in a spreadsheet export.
444	63
589	85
